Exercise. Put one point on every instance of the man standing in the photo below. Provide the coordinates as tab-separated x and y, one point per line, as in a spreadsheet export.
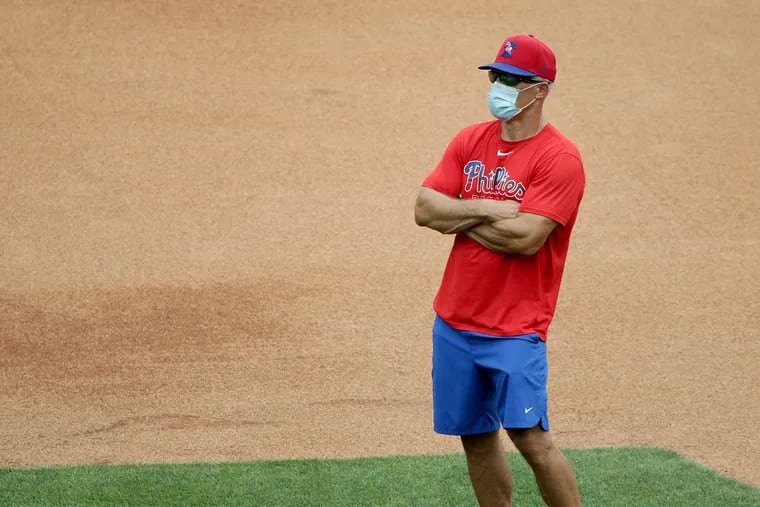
510	190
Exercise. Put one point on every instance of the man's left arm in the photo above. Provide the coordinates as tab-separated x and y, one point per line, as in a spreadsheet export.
525	234
552	198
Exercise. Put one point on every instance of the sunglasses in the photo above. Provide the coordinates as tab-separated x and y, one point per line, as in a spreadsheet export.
509	79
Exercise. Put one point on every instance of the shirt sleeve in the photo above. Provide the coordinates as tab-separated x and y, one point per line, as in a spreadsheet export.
446	178
557	189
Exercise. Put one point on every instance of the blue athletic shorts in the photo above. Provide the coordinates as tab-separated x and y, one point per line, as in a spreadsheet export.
482	383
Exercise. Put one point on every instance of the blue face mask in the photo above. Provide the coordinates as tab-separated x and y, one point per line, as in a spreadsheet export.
502	100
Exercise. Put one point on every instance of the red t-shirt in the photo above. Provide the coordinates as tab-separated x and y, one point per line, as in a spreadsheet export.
494	293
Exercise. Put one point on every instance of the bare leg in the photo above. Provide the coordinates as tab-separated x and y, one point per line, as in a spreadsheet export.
554	473
489	471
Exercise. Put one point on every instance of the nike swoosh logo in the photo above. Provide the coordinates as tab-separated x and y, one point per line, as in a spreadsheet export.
503	154
528	409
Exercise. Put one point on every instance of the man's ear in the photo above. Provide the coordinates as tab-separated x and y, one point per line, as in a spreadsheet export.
543	90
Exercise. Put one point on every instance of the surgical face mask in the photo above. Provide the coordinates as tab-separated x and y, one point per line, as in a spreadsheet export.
502	100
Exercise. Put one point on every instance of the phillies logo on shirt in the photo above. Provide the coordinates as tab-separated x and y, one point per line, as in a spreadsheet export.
497	183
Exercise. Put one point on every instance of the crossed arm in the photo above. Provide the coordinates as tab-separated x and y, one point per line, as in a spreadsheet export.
497	225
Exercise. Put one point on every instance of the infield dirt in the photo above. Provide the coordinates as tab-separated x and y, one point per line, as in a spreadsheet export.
207	245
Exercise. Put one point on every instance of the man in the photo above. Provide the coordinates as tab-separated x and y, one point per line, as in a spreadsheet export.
510	190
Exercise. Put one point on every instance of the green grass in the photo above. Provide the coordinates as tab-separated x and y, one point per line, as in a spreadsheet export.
627	477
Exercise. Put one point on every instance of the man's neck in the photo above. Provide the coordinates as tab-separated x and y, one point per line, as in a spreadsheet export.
522	127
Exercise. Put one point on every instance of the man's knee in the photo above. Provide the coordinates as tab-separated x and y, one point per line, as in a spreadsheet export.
535	444
480	444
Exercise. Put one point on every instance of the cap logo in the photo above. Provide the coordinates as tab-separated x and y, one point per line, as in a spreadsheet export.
508	48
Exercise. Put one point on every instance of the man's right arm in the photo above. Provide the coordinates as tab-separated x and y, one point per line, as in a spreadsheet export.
449	215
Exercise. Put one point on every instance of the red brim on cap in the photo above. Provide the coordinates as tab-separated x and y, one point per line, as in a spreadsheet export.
505	67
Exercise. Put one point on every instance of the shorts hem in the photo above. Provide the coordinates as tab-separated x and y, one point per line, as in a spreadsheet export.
543	421
460	433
